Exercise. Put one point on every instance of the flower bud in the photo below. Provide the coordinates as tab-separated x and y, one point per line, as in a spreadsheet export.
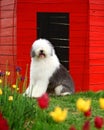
98	121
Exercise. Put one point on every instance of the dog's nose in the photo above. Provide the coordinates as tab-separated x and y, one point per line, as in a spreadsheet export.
41	51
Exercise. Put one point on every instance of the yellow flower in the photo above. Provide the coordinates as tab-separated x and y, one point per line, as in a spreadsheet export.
7	73
101	102
17	89
1	92
10	98
83	105
14	86
58	114
1	81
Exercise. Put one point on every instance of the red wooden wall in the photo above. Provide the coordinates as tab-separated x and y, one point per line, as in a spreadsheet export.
27	33
18	30
96	41
7	35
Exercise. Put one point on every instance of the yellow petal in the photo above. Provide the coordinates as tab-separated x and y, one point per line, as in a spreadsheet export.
1	81
10	98
17	89
58	110
58	114
83	105
87	105
14	86
1	92
79	104
7	73
63	115
101	102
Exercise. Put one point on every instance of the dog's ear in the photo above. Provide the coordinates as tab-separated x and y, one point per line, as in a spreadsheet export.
32	53
52	48
52	51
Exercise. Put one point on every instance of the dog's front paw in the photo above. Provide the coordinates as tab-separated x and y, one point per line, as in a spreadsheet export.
62	91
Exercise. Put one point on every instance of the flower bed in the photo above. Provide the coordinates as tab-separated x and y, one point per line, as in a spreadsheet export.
82	111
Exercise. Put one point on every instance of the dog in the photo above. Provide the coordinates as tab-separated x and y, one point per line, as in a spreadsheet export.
47	74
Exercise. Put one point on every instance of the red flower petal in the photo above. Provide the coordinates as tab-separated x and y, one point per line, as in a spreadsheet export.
72	128
98	121
88	113
3	123
1	116
86	125
43	101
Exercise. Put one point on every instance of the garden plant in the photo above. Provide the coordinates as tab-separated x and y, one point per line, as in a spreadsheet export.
80	111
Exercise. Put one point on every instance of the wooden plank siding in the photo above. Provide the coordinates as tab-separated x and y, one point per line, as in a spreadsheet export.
8	35
96	40
18	30
27	33
79	53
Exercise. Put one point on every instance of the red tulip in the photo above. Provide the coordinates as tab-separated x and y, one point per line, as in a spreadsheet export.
72	128
88	113
43	101
98	121
86	125
3	123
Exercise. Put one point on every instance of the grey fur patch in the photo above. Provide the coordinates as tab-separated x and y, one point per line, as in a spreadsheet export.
61	77
32	53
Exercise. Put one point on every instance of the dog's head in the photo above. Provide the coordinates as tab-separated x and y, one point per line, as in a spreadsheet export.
42	48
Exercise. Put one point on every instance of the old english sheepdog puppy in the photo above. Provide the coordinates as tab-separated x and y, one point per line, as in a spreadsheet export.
47	74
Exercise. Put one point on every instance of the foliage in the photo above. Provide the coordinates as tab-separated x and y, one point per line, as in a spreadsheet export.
23	113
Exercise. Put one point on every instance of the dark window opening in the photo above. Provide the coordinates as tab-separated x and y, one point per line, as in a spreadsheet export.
55	28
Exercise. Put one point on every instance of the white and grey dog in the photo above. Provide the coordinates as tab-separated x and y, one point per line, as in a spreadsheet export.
46	72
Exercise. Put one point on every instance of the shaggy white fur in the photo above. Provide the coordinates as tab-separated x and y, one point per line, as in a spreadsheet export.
44	62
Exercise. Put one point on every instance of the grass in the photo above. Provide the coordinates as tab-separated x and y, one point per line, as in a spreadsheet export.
23	113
